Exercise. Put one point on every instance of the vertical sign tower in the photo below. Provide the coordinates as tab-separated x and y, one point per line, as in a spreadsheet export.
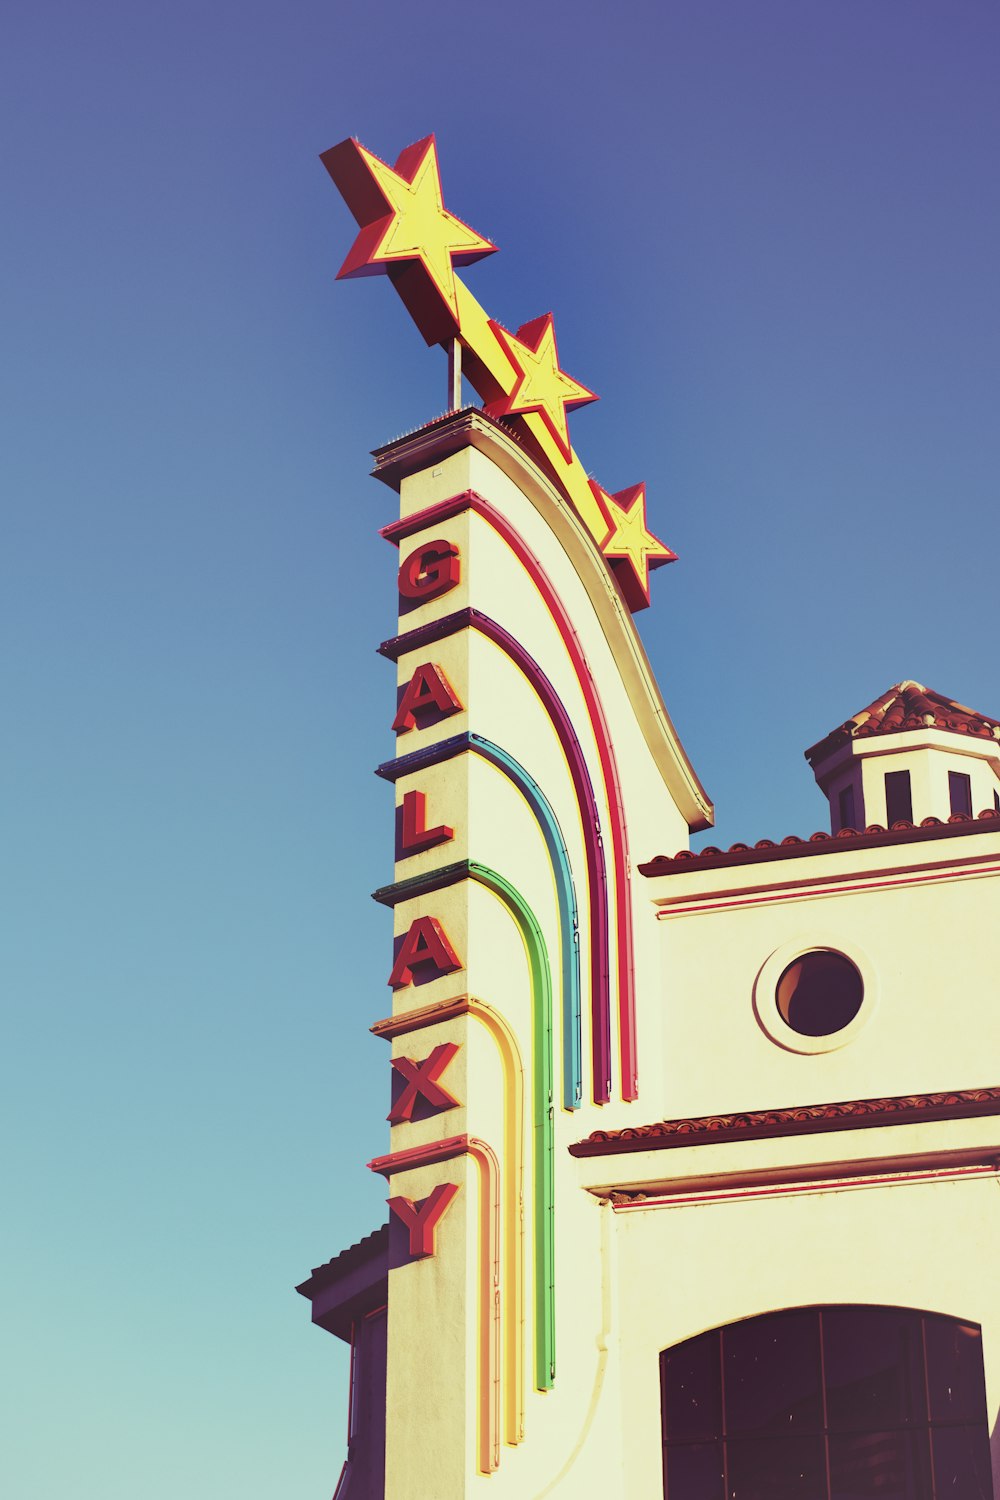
535	765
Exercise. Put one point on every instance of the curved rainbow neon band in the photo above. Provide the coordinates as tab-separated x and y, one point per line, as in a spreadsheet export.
543	1124
562	874
513	1136
471	500
597	880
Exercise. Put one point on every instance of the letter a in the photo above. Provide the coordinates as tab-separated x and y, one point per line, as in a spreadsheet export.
421	1219
426	943
427	689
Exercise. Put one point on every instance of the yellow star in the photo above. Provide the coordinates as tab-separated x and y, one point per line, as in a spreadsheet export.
417	229
541	386
630	547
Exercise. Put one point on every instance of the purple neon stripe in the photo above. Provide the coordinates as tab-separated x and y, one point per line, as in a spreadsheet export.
470	499
597	879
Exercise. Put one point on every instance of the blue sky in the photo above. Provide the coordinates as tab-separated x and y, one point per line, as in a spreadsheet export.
770	235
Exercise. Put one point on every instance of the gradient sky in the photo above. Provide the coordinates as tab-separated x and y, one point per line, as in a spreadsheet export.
770	233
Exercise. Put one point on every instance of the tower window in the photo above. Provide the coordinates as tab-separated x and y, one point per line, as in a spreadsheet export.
960	792
898	800
846	811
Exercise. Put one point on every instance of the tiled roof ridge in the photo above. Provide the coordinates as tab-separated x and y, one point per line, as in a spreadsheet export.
872	836
907	705
353	1255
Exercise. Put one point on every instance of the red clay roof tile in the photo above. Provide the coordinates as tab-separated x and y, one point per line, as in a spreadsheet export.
907	705
873	837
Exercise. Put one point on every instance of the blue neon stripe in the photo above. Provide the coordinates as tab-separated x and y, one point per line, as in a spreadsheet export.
562	874
568	915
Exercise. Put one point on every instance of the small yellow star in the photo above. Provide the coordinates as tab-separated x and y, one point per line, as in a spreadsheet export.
541	385
630	547
417	229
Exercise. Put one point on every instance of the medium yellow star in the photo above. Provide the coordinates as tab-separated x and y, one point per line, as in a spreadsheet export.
541	385
630	547
417	228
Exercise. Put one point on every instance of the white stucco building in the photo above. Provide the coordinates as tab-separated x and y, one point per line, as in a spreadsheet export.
693	1162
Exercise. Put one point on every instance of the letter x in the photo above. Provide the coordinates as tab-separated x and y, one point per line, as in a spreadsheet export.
421	1081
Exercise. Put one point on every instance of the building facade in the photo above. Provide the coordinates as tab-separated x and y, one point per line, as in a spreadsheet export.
692	1170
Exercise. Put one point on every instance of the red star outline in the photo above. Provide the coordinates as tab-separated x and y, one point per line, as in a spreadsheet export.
531	336
631	565
431	300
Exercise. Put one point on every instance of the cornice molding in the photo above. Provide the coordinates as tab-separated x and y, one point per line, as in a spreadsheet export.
806	1119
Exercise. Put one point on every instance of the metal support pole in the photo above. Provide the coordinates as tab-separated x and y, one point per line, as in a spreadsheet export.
454	374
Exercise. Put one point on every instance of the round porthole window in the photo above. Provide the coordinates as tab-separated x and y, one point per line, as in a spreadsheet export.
819	993
812	995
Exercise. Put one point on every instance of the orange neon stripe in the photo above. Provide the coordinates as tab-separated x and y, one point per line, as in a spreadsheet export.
513	1229
489	1304
488	1421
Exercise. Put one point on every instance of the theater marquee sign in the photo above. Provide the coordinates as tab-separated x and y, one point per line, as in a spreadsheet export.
566	1277
515	966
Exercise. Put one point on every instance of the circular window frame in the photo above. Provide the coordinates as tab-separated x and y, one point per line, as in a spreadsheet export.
765	994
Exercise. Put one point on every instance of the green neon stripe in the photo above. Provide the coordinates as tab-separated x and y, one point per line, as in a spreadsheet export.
542	1109
543	1125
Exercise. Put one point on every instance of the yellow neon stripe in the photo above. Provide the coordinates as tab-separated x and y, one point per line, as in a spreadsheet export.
513	1385
513	1183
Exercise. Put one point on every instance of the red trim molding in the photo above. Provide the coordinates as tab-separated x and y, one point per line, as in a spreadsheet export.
420	1156
817	1180
806	1119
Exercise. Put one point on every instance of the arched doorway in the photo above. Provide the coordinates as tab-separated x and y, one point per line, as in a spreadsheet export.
827	1403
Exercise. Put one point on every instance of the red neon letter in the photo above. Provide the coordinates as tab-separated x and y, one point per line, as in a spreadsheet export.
421	1219
421	1080
430	571
427	688
425	943
415	836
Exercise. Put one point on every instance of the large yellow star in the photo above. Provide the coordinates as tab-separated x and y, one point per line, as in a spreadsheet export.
541	386
404	223
630	547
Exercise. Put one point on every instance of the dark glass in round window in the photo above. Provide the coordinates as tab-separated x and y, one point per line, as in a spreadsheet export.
819	993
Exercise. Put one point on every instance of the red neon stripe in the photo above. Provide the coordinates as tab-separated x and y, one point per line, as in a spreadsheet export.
470	500
840	889
473	619
816	1185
